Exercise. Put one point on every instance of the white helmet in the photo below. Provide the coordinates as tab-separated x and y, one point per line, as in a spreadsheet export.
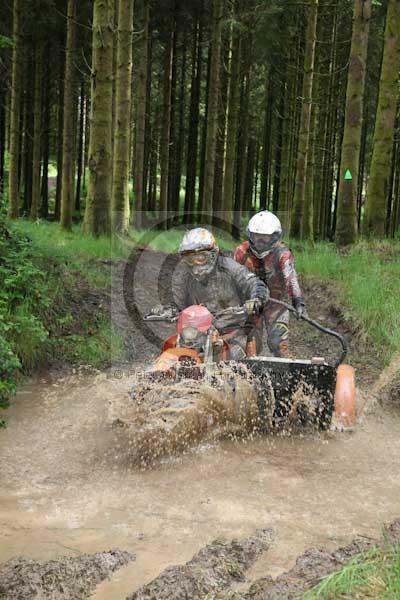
263	232
199	251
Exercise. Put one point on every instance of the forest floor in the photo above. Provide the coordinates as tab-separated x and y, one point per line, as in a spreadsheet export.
79	492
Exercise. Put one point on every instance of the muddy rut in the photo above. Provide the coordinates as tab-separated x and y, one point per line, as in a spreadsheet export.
69	487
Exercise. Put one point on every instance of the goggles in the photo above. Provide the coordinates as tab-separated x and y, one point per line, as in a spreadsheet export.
263	242
194	259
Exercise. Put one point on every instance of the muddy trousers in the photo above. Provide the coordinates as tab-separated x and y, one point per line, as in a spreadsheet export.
278	335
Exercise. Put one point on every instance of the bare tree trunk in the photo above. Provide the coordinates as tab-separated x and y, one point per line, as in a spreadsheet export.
232	125
181	130
346	228
267	139
60	125
15	116
212	117
378	185
98	202
44	193
120	196
142	84
193	137
166	123
69	130
81	142
303	148
37	131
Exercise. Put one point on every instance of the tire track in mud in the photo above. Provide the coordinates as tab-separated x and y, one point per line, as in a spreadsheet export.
62	579
214	570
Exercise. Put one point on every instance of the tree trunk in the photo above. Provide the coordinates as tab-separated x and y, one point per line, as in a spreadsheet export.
346	228
166	123
142	84
181	128
37	131
232	124
98	203
174	124
194	117
120	196
221	128
287	140
3	101
378	185
59	139
212	117
81	143
26	162
303	147
267	140
44	193
204	136
69	130
15	116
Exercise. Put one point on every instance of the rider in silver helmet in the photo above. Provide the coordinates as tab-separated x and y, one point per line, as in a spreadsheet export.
217	282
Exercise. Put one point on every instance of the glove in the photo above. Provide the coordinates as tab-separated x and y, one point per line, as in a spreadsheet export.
253	306
168	311
299	305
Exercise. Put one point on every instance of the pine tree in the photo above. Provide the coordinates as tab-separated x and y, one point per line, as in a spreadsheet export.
346	229
297	221
69	132
379	186
15	108
98	202
120	197
212	116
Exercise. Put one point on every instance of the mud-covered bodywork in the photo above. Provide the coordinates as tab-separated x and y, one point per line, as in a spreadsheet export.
306	386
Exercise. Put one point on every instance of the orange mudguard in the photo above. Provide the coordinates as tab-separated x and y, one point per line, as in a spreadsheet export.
170	358
345	396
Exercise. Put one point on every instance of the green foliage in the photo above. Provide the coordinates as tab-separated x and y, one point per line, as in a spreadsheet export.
21	330
42	272
371	574
6	42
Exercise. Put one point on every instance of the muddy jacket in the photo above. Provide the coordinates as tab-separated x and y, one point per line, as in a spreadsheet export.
230	284
276	270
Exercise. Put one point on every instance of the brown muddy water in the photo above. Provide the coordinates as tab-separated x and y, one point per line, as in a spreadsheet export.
67	487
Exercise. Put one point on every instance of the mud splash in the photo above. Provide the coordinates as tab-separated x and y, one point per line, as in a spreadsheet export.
161	419
67	488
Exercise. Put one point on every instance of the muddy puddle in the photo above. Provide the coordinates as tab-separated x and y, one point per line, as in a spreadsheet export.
66	487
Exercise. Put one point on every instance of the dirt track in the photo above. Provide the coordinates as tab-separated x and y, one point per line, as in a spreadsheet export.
68	487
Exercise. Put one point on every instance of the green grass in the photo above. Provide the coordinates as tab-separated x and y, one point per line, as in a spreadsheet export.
369	286
96	347
372	574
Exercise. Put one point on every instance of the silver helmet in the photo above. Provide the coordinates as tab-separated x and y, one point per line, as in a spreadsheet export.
199	250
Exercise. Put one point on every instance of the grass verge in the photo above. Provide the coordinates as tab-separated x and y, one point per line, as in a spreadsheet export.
372	574
368	275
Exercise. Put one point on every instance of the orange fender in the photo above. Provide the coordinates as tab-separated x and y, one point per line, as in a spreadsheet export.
170	358
345	396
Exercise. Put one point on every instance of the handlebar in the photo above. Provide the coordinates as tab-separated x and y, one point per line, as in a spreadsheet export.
340	338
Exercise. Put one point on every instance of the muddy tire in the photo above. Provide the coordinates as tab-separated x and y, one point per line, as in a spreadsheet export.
345	397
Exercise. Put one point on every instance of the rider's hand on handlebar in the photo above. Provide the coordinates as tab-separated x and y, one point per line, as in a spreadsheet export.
298	304
253	306
167	311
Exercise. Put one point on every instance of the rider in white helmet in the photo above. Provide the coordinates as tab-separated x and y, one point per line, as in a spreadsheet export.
217	282
272	261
